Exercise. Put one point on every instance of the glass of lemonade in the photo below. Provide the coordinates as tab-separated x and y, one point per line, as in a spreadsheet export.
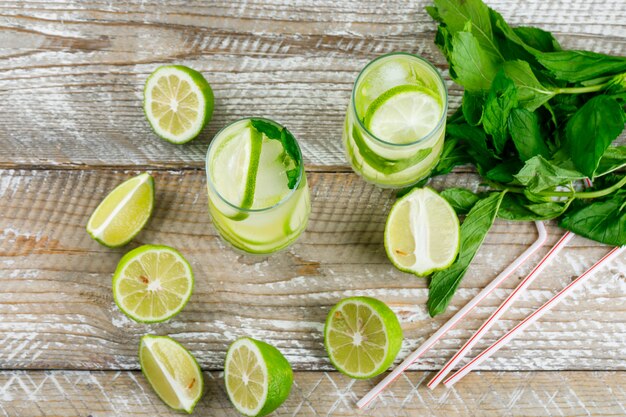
258	193
396	120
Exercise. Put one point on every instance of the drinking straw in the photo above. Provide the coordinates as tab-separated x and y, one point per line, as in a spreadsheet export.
541	238
615	252
501	310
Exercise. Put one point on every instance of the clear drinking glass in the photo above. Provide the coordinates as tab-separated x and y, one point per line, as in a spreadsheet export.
258	193
396	120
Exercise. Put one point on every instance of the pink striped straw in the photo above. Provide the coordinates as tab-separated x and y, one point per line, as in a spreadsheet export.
614	253
461	353
508	271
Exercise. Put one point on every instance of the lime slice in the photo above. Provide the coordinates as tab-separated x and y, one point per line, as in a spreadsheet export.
178	103
258	378
152	283
362	337
404	114
422	233
172	371
123	213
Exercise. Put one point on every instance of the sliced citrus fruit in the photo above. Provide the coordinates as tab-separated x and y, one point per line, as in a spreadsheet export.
178	103
172	371
422	233
152	283
124	212
258	378
362	337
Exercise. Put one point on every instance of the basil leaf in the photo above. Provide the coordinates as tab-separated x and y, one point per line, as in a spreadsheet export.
473	67
591	130
576	66
461	199
526	134
603	221
284	136
531	94
539	174
444	283
502	98
613	159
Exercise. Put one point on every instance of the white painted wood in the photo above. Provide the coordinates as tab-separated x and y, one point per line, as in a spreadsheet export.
56	307
72	73
486	394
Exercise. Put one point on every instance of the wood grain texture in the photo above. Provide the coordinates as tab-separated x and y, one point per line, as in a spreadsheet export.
57	312
72	73
502	394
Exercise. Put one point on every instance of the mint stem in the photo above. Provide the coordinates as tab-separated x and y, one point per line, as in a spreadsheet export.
580	90
570	194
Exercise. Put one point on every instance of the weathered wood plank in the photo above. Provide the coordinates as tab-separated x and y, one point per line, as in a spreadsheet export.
126	393
72	73
56	308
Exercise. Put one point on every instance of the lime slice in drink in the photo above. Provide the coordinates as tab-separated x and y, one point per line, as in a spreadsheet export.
152	283
178	103
124	212
422	233
362	337
172	371
258	378
404	114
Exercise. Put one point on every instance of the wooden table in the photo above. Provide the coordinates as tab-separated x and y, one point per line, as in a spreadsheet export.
72	127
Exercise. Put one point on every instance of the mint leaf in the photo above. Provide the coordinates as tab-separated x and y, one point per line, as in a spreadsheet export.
531	93
539	174
273	131
444	283
576	66
473	107
476	140
473	67
603	221
517	207
526	134
461	199
591	130
613	159
502	98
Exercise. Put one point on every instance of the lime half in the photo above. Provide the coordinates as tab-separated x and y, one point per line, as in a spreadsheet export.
152	283
422	233
404	114
124	212
178	103
362	337
258	378
172	371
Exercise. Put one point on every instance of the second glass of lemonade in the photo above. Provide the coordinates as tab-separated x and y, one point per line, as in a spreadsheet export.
258	193
396	120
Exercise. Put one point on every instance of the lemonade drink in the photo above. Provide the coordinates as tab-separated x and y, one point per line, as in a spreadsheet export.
258	193
395	124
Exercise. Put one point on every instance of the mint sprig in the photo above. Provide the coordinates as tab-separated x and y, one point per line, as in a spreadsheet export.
275	132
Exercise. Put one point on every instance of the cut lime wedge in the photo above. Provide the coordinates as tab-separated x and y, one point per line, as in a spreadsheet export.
172	371
422	233
404	114
123	213
258	378
152	283
178	103
362	337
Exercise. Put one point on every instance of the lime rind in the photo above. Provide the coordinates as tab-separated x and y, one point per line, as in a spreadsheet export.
190	407
119	275
456	243
277	373
97	233
201	87
391	328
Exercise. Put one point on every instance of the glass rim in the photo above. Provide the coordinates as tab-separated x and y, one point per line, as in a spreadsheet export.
251	210
439	77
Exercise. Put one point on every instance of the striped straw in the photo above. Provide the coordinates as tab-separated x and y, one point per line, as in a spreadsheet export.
450	324
614	253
